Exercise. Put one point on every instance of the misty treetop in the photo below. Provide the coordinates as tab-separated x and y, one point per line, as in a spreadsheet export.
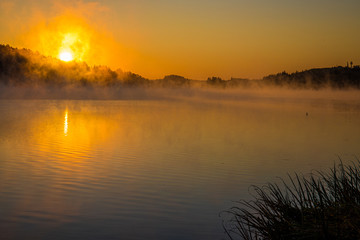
335	77
23	67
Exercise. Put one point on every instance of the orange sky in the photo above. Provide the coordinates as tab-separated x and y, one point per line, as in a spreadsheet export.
195	39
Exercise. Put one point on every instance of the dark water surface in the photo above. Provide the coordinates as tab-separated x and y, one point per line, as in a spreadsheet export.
155	169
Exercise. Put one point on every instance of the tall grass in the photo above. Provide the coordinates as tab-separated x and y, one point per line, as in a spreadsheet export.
318	206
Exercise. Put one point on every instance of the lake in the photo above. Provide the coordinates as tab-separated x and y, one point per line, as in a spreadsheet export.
159	168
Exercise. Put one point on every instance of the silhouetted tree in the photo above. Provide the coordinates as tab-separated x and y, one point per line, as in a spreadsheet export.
336	77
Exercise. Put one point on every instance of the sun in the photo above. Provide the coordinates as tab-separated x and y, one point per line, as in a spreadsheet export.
72	46
66	56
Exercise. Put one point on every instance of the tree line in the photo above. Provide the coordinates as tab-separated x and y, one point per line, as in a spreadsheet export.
25	67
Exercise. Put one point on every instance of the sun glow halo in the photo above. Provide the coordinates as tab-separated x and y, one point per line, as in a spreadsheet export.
66	56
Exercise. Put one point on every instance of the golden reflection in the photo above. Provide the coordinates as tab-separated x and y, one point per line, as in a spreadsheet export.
66	123
74	139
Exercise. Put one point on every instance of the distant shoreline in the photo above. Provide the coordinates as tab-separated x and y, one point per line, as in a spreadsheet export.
23	67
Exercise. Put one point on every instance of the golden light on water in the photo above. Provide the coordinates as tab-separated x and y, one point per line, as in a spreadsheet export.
66	56
66	123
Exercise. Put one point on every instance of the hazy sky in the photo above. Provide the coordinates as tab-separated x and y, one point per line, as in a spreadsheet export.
192	38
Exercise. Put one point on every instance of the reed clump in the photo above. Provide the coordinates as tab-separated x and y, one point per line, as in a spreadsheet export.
318	206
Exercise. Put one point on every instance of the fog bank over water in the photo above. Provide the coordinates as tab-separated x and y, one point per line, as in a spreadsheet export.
189	94
25	74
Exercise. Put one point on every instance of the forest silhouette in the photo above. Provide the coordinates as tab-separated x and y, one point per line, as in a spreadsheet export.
23	67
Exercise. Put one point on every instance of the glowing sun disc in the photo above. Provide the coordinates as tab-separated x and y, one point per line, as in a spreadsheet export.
66	56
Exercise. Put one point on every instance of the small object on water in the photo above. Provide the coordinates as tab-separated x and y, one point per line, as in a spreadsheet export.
307	114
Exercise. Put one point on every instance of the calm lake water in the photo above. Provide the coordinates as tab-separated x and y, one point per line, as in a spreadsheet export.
156	169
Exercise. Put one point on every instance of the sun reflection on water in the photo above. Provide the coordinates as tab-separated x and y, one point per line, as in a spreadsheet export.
66	123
